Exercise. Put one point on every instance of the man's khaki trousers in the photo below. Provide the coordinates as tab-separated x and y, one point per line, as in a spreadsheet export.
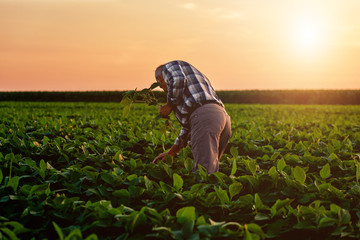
210	133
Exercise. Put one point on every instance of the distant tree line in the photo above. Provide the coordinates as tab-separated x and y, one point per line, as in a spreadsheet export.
345	97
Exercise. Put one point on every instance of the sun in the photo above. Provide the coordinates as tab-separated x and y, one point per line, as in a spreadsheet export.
308	35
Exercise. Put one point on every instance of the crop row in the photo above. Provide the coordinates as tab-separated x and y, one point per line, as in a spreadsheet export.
84	171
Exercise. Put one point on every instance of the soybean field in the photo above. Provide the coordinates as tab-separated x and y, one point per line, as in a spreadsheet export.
85	171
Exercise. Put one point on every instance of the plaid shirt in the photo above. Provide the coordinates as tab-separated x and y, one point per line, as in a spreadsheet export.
186	87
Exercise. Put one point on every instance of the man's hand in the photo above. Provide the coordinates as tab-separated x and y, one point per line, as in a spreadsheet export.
172	152
160	157
165	110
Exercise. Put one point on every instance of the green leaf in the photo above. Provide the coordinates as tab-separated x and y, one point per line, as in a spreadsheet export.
334	157
335	208
273	173
325	171
108	178
304	225
45	140
281	164
186	231
42	168
92	236
13	183
221	178
177	182
252	180
235	188
153	215
30	162
166	167
165	187
18	228
327	222
42	165
279	204
258	203
289	145
222	195
185	214
234	168
148	183
203	173
188	164
165	230
59	231
344	216
254	228
144	91
291	158
154	85
201	221
121	193
74	234
38	189
136	191
252	167
133	163
299	174
126	102
248	235
336	191
138	218
234	152
8	232
330	148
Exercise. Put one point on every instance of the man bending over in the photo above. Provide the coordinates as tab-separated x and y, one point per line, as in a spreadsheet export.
204	120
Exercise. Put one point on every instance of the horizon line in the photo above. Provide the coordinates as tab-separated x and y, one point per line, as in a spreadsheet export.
224	90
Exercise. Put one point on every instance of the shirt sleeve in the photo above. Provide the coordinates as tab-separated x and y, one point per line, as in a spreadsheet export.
183	138
175	81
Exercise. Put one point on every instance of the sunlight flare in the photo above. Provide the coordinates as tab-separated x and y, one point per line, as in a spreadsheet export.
309	35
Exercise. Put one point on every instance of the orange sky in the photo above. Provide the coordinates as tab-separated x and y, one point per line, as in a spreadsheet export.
76	45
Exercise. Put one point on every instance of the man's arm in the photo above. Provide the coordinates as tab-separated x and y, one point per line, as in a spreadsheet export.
166	109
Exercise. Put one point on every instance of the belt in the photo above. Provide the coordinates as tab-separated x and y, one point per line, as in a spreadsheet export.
202	103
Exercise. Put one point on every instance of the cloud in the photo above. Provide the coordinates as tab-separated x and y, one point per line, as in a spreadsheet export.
189	6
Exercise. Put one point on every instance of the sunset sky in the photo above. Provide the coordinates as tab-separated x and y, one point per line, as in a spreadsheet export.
57	45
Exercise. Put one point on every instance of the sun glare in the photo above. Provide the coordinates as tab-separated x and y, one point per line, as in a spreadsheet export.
308	35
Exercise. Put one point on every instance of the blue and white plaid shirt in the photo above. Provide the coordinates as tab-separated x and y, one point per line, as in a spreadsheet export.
186	87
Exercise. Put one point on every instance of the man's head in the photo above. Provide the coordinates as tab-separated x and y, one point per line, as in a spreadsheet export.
159	77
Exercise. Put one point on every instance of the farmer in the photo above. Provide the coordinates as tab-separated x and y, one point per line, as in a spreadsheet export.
205	123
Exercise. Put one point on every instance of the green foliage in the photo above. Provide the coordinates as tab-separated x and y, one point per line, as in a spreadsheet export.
299	174
178	182
325	171
85	171
146	95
